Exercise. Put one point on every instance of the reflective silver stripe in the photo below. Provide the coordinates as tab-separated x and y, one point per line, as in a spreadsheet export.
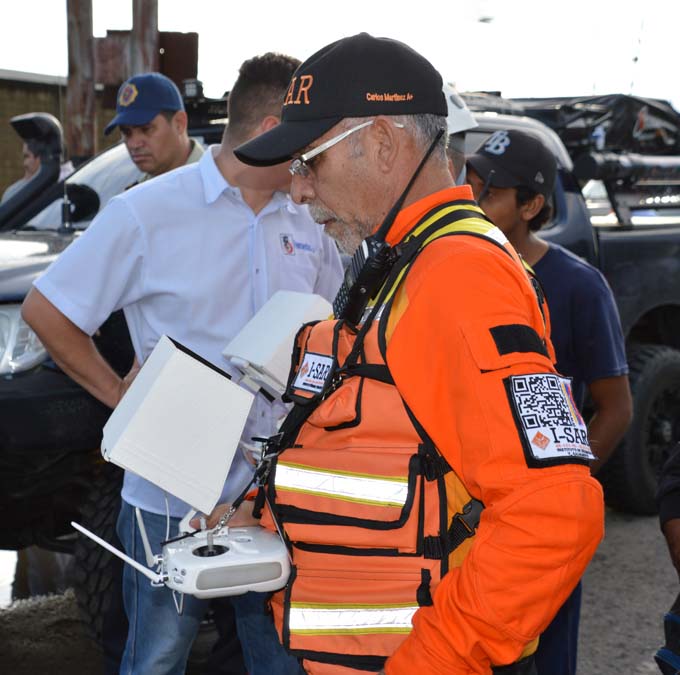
497	235
382	490
323	620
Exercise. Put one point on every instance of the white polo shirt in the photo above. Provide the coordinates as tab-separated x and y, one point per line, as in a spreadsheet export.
184	255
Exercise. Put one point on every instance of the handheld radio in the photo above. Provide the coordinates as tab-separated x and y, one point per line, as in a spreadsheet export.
372	260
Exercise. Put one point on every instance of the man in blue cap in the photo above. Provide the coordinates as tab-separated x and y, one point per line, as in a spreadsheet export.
153	124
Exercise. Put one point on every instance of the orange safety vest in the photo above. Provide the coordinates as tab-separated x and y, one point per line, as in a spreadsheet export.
374	516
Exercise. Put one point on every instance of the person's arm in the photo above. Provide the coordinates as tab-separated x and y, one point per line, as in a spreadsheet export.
73	350
668	501
100	272
475	395
613	405
671	531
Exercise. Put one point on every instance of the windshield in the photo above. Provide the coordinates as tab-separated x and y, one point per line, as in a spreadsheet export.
107	174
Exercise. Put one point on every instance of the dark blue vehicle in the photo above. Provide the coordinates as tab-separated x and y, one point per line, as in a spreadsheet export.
617	205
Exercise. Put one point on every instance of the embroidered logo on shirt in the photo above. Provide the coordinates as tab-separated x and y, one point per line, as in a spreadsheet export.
303	246
287	244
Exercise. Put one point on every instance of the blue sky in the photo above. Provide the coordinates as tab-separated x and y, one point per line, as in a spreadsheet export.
521	47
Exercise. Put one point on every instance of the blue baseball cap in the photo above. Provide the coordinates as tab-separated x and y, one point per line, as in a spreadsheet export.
142	97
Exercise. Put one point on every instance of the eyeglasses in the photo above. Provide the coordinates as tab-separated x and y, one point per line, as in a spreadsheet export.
300	166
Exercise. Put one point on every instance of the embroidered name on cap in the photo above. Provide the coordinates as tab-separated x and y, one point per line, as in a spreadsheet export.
128	95
550	426
298	91
392	98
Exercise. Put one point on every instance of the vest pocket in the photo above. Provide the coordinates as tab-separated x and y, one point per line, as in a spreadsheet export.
340	608
334	506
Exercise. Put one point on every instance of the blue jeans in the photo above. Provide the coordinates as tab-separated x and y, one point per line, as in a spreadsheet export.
263	653
556	653
159	640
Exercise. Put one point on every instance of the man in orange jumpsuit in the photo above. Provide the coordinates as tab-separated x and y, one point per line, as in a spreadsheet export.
421	408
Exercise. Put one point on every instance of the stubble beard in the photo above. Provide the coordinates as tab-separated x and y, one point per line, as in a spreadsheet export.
347	235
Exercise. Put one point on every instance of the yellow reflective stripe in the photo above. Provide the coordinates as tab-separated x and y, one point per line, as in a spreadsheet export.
469	225
343	485
305	619
445	212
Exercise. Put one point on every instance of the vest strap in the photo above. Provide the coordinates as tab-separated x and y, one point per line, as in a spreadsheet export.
463	526
423	594
434	465
368	370
465	523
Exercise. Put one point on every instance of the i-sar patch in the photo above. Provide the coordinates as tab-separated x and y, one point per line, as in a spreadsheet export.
315	373
550	426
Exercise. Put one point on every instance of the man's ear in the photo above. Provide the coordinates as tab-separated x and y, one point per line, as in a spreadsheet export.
532	208
180	121
269	122
386	139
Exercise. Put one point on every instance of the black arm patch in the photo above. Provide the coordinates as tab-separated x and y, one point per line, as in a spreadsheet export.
517	337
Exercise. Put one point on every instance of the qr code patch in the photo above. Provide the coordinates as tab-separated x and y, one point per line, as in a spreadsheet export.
541	401
550	425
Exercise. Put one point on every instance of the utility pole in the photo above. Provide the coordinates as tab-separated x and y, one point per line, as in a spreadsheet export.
144	39
80	104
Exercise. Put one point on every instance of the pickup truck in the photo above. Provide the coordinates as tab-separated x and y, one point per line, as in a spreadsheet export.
50	468
617	205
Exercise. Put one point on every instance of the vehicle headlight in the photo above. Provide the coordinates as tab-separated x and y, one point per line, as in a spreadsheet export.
20	348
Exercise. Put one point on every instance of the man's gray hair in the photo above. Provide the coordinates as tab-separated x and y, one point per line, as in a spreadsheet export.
423	129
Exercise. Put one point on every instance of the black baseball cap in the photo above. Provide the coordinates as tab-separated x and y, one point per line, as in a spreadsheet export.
358	76
516	158
142	97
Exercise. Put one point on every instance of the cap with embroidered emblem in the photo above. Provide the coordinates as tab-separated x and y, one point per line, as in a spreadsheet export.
142	97
358	76
516	158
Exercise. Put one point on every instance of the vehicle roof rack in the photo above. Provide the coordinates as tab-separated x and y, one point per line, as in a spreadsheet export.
204	113
630	143
614	122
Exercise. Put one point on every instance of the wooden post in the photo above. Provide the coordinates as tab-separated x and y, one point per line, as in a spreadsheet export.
80	103
144	42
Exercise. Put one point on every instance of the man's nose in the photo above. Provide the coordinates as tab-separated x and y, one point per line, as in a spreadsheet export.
134	139
301	190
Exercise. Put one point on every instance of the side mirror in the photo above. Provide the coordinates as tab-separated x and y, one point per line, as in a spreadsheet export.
81	202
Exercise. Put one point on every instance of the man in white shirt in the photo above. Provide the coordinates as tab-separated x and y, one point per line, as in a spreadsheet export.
192	254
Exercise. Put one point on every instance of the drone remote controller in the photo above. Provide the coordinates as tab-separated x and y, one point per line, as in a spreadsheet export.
204	564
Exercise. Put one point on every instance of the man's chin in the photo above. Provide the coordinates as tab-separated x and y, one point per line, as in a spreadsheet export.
144	165
342	236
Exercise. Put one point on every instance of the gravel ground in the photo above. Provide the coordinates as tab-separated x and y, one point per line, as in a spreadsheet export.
628	587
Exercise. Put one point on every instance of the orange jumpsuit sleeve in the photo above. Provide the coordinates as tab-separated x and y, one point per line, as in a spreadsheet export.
540	526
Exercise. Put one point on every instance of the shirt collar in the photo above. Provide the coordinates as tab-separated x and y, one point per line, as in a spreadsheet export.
409	216
215	184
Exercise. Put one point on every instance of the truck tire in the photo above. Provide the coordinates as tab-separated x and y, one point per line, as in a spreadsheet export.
630	476
96	577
